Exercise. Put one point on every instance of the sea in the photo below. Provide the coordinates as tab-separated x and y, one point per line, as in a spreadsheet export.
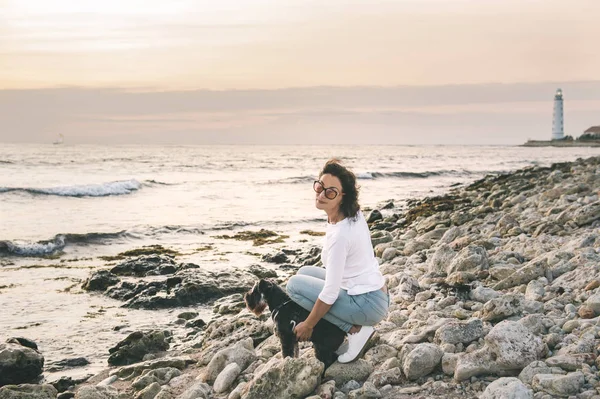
64	208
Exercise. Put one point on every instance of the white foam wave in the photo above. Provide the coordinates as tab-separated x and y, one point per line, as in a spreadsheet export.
84	190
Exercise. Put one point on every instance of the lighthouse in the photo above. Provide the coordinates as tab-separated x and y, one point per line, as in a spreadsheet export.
558	131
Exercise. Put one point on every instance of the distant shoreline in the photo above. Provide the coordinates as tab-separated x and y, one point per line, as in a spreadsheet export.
560	143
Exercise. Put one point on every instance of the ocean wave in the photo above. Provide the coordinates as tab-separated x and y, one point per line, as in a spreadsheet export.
121	187
379	175
2	161
54	245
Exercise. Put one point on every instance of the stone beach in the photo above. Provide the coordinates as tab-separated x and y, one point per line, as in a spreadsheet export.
495	291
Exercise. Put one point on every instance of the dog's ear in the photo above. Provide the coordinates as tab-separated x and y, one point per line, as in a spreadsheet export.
265	285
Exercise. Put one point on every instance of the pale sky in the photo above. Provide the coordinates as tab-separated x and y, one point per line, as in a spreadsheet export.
253	51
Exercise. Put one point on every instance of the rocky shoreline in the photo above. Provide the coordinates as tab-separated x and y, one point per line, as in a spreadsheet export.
495	294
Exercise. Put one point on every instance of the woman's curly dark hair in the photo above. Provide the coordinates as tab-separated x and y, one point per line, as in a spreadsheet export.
349	205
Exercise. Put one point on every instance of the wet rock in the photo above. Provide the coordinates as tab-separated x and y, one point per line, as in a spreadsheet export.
278	258
262	272
19	364
374	215
138	344
185	288
286	379
67	363
507	388
100	281
146	265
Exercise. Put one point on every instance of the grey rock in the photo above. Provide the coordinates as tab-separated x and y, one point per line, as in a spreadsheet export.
199	390
138	344
149	392
470	259
96	392
459	332
367	391
286	379
160	376
422	360
533	368
507	388
226	377
18	363
500	308
559	385
241	353
28	391
341	373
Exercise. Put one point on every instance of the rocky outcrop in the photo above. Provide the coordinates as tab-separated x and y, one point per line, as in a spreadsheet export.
20	362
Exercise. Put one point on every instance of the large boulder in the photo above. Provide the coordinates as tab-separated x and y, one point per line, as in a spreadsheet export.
100	281
187	287
509	347
289	378
422	360
138	344
146	265
19	363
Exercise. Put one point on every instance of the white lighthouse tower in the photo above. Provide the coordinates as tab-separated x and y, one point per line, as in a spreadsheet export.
558	131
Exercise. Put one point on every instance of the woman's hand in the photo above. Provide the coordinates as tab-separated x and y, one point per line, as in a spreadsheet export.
303	331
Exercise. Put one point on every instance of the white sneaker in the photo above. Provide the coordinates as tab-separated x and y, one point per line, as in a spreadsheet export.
356	344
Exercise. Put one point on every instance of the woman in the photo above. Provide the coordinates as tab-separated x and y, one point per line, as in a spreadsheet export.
350	291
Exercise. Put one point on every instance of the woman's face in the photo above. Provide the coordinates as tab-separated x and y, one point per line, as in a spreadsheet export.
328	193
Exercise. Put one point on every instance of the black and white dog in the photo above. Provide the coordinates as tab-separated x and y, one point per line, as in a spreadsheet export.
286	314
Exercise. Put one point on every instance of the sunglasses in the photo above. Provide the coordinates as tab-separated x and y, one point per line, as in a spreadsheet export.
330	192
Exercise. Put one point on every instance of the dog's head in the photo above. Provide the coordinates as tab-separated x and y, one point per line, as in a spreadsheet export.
255	298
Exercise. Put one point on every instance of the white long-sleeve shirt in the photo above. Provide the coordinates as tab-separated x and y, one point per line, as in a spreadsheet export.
349	260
